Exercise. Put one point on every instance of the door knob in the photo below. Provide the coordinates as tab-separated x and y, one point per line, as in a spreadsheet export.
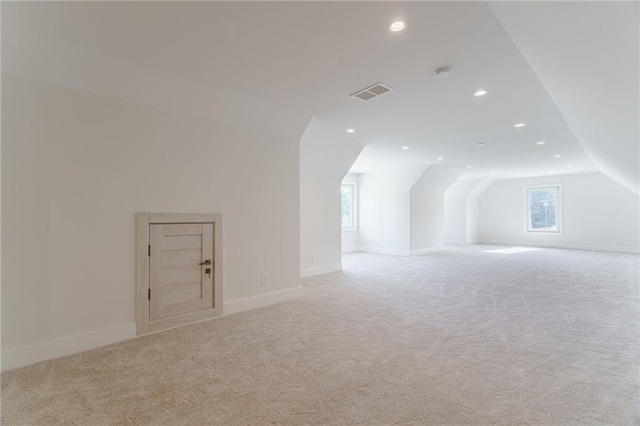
206	262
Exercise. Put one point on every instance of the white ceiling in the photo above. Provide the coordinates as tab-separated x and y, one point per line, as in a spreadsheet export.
586	56
310	56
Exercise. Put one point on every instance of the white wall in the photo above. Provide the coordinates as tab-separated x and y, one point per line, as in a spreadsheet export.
461	213
326	152
461	208
77	166
385	199
320	226
427	207
473	220
324	161
599	214
350	237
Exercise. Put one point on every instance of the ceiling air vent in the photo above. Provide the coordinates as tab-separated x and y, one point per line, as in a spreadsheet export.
371	92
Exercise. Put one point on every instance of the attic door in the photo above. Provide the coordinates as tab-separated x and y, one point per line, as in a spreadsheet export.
180	268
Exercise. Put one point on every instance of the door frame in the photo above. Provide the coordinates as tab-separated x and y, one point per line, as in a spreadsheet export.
143	222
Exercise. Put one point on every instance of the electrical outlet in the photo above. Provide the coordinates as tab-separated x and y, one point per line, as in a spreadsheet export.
265	278
428	241
327	212
311	258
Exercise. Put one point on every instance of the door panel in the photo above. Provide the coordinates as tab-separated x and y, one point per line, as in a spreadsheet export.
177	280
182	259
182	242
181	307
178	276
183	229
178	293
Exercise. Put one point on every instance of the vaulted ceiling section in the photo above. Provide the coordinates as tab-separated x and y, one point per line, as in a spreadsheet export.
568	70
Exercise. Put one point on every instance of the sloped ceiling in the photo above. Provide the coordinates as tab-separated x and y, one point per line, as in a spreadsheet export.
34	56
326	155
306	58
586	56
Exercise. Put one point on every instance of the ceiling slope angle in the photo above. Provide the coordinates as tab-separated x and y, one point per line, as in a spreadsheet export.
427	120
586	54
309	57
326	153
37	45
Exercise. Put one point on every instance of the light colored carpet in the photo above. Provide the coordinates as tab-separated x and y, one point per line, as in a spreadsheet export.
458	337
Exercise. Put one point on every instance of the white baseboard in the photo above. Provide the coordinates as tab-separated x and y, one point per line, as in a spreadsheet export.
380	250
50	349
311	272
56	348
260	301
616	249
349	249
458	242
426	250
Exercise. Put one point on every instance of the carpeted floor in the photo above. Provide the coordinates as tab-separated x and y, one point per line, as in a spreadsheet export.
548	337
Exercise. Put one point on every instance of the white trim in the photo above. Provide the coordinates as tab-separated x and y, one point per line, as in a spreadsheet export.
588	247
241	305
349	249
319	270
55	348
458	242
426	250
381	250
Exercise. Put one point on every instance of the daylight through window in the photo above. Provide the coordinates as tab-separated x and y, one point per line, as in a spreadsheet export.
543	209
347	207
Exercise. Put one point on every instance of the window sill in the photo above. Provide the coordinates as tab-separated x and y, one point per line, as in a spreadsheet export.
543	232
349	230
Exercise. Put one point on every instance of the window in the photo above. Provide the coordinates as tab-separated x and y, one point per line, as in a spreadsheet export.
544	209
348	207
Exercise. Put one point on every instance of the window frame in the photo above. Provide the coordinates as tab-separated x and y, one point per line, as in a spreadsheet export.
354	226
559	210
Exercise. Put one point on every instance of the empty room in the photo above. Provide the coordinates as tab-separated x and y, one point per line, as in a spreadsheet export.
320	213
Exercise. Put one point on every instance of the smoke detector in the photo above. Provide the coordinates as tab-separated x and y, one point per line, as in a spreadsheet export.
443	72
371	92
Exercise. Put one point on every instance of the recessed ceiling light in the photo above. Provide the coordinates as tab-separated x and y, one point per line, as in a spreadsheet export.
440	158
540	143
480	143
480	93
396	26
468	167
518	125
405	147
443	72
557	156
351	131
569	165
